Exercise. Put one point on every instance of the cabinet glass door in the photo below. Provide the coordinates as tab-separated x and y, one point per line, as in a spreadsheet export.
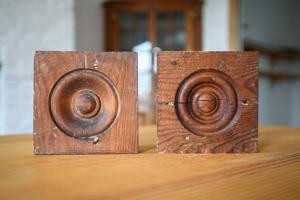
134	36
133	29
171	31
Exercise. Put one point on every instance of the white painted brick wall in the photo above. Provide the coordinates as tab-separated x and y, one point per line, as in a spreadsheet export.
26	26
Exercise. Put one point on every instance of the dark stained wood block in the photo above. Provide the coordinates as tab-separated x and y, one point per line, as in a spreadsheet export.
207	102
85	102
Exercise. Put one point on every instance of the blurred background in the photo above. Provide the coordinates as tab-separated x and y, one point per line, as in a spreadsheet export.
147	27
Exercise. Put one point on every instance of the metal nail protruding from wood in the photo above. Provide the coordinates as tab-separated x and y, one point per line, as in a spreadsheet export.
222	64
171	103
95	140
96	63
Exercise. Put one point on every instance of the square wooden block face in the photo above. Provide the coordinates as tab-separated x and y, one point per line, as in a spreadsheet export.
85	102
207	102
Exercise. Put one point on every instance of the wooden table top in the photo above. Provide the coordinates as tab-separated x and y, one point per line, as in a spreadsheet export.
274	173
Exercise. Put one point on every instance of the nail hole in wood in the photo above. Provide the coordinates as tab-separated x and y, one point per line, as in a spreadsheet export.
173	62
245	102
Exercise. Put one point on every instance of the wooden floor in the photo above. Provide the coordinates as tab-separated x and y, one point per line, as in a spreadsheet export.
274	173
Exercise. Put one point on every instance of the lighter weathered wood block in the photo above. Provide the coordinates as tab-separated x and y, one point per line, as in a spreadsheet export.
85	102
207	102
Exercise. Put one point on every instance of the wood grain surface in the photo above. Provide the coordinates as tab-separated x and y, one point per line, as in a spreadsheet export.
85	102
207	102
273	173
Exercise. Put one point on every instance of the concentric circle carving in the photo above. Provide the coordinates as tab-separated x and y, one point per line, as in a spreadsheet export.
84	103
207	102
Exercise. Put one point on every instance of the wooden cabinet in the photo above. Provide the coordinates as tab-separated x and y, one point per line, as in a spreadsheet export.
141	25
168	24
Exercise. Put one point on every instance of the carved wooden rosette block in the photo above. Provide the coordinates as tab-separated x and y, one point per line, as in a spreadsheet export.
85	102
207	102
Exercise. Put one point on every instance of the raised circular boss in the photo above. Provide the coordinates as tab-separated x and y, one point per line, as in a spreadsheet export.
84	103
207	102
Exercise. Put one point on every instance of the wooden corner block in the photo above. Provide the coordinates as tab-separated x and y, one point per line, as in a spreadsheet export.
85	102
207	102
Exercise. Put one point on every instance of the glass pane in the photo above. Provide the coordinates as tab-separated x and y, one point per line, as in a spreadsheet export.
133	29
134	37
144	67
170	31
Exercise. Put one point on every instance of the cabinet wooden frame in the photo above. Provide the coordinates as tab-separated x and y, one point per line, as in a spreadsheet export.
191	9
